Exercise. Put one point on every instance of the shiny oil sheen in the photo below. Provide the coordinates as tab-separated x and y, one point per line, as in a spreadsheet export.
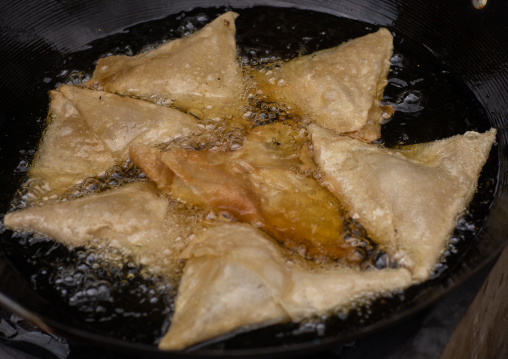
431	92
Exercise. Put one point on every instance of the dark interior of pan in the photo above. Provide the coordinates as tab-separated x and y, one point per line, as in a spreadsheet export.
449	75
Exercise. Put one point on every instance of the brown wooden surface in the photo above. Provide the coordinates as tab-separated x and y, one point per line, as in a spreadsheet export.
483	331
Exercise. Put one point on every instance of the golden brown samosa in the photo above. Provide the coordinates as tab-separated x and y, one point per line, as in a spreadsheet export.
258	184
121	121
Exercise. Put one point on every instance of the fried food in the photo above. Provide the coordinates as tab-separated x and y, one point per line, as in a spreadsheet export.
407	199
197	72
235	276
90	131
338	88
236	279
259	185
133	218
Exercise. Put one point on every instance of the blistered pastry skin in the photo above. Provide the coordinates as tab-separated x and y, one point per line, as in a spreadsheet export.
337	88
409	199
120	121
132	218
200	71
70	151
236	279
90	131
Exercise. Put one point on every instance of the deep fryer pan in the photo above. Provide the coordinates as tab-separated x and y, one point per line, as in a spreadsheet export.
36	37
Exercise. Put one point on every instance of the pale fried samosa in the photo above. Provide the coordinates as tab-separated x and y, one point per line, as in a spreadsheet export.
89	131
199	71
70	151
236	279
132	218
407	199
121	121
338	88
258	184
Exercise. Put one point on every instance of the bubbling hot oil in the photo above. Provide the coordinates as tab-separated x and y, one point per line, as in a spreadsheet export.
110	293
96	280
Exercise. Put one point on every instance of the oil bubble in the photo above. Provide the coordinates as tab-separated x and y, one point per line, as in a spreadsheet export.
409	102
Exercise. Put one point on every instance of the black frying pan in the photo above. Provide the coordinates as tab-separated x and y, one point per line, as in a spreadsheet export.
39	38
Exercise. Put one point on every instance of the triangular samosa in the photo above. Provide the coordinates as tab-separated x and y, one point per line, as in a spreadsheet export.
69	151
197	72
407	199
338	88
236	279
132	218
90	131
120	121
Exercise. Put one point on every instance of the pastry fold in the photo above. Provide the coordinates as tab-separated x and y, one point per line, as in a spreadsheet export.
408	199
337	88
133	218
197	72
236	279
89	131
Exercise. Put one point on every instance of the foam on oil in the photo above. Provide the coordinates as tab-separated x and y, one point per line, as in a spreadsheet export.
112	294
